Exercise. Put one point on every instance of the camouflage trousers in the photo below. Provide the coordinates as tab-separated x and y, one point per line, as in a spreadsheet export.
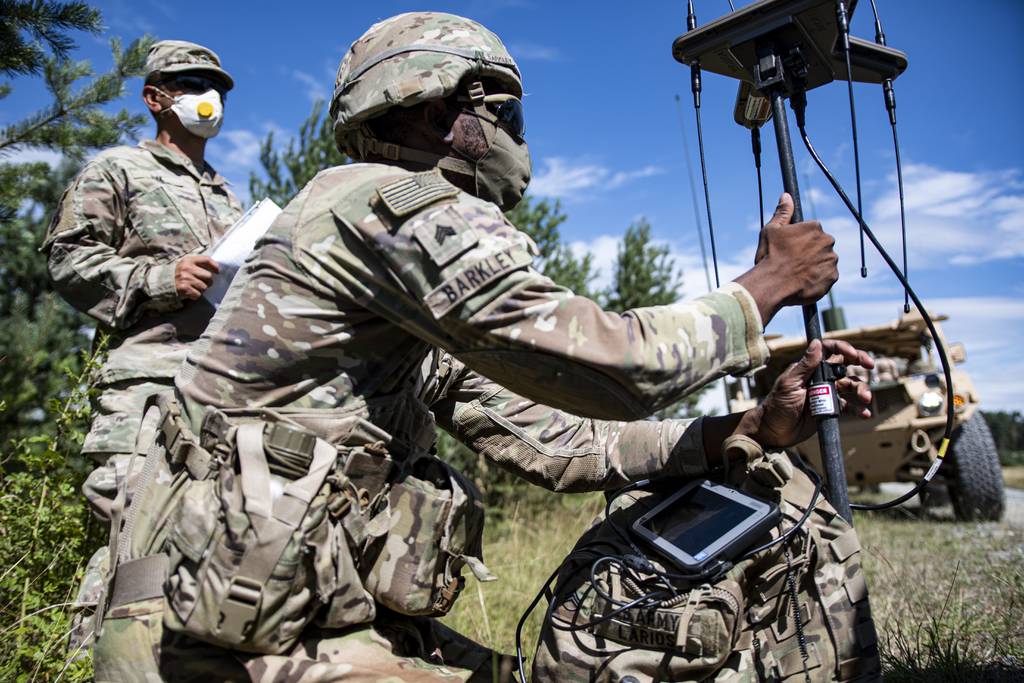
111	438
740	629
134	646
109	443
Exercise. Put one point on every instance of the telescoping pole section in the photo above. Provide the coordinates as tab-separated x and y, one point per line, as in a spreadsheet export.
822	390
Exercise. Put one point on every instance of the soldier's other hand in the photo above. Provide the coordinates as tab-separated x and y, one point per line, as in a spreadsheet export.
794	264
193	274
784	419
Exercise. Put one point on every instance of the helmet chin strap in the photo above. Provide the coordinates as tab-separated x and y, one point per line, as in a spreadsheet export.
369	144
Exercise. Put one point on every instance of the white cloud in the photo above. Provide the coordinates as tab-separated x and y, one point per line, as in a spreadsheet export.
316	89
237	149
953	217
532	51
573	179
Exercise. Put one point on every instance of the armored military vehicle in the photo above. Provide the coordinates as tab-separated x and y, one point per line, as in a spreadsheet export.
900	441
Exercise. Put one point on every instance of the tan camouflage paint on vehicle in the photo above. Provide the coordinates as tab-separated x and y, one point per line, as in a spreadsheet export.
112	245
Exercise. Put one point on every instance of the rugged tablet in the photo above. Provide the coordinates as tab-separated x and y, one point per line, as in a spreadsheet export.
705	522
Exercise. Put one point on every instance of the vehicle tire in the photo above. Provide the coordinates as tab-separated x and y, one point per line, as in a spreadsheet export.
934	496
976	481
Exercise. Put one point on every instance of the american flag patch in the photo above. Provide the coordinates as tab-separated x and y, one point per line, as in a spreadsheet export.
411	193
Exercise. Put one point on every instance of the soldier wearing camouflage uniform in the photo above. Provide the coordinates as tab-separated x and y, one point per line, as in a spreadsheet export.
390	297
125	248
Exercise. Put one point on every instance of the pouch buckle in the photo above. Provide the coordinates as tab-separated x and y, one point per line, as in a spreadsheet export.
448	593
239	608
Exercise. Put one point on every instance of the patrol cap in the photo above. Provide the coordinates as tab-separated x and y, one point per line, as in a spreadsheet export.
169	57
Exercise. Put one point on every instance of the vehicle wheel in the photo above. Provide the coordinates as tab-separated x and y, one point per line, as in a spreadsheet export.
976	481
934	496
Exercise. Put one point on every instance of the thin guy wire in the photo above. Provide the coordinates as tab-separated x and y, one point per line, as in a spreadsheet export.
693	194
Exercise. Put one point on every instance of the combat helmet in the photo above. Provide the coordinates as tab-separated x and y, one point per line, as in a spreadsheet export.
408	59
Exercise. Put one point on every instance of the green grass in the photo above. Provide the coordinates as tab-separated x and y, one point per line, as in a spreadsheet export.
523	548
947	597
1014	476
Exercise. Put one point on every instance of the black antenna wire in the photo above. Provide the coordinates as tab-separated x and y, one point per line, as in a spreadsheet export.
844	34
695	87
755	145
693	194
890	106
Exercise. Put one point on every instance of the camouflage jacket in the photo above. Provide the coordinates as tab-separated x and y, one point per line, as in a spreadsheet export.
555	449
371	268
113	243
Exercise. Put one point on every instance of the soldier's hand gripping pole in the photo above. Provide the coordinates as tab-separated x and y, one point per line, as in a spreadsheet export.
824	401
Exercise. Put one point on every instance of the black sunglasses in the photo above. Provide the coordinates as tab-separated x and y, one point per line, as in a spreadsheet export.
192	83
509	112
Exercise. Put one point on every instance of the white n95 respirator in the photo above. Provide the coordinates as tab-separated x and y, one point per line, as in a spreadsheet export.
201	114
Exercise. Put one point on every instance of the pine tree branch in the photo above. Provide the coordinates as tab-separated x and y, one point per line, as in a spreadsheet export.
47	23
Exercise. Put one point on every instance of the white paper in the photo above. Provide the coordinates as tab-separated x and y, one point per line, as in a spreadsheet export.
234	247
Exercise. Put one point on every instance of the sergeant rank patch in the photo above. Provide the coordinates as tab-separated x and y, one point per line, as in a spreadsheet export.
445	235
411	193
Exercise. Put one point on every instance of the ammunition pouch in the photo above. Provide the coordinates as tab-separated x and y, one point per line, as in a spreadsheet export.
439	516
261	528
249	550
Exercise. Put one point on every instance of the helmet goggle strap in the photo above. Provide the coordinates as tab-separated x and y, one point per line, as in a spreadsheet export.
508	110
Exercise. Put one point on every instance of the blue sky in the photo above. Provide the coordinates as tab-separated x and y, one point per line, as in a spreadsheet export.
605	138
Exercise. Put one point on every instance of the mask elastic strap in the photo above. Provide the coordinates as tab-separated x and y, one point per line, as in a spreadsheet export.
172	99
477	96
368	145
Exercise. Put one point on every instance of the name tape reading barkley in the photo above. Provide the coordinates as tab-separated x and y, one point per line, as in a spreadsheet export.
474	277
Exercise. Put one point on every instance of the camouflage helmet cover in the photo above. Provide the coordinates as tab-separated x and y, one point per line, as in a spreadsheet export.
413	58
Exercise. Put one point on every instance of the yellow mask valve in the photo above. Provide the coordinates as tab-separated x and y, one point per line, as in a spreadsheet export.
205	110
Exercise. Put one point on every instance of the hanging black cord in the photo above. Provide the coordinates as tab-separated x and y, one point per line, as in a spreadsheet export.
799	102
889	94
844	35
540	594
526	615
520	660
890	97
755	144
695	87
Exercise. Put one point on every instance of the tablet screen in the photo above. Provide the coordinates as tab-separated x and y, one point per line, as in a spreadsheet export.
697	521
